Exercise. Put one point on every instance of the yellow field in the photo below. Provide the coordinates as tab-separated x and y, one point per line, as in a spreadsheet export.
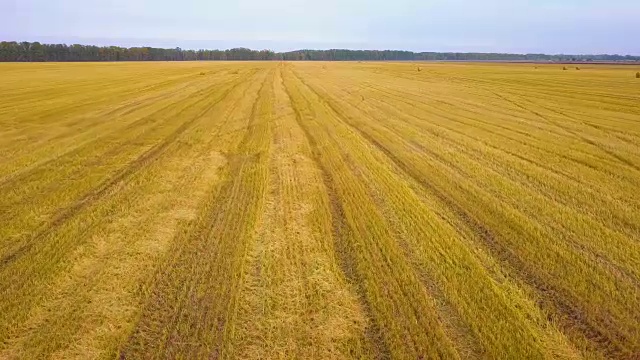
319	211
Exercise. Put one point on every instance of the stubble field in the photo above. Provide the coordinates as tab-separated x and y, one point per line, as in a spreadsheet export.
265	210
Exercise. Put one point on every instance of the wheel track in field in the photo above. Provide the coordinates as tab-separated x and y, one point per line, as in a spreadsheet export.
564	156
17	287
400	98
468	221
24	173
140	123
595	144
133	167
20	175
626	223
64	108
515	265
293	233
461	82
580	247
127	107
577	135
542	166
124	102
179	81
549	298
531	93
346	261
590	96
428	309
196	274
478	228
459	331
555	107
210	140
541	84
399	95
77	119
597	257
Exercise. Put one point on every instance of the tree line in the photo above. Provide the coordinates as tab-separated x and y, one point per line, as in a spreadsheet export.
35	51
395	55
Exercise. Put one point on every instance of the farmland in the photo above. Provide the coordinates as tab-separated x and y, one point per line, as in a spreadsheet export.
310	210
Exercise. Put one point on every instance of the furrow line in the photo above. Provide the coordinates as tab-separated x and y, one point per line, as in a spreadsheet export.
560	306
345	258
21	175
377	256
191	307
103	189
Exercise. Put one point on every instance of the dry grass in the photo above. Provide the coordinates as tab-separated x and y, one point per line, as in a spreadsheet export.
319	210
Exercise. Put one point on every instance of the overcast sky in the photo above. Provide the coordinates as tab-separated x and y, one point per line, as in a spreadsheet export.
560	26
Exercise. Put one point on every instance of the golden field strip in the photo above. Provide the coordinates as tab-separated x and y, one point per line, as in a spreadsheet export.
266	210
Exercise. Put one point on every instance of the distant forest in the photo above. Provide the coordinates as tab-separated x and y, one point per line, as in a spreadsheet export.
35	51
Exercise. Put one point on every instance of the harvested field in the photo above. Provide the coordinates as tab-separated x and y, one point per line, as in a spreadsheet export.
263	210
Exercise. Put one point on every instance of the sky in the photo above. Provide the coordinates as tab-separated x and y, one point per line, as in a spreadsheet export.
514	26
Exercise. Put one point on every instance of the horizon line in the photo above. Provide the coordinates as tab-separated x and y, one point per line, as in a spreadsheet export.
323	49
